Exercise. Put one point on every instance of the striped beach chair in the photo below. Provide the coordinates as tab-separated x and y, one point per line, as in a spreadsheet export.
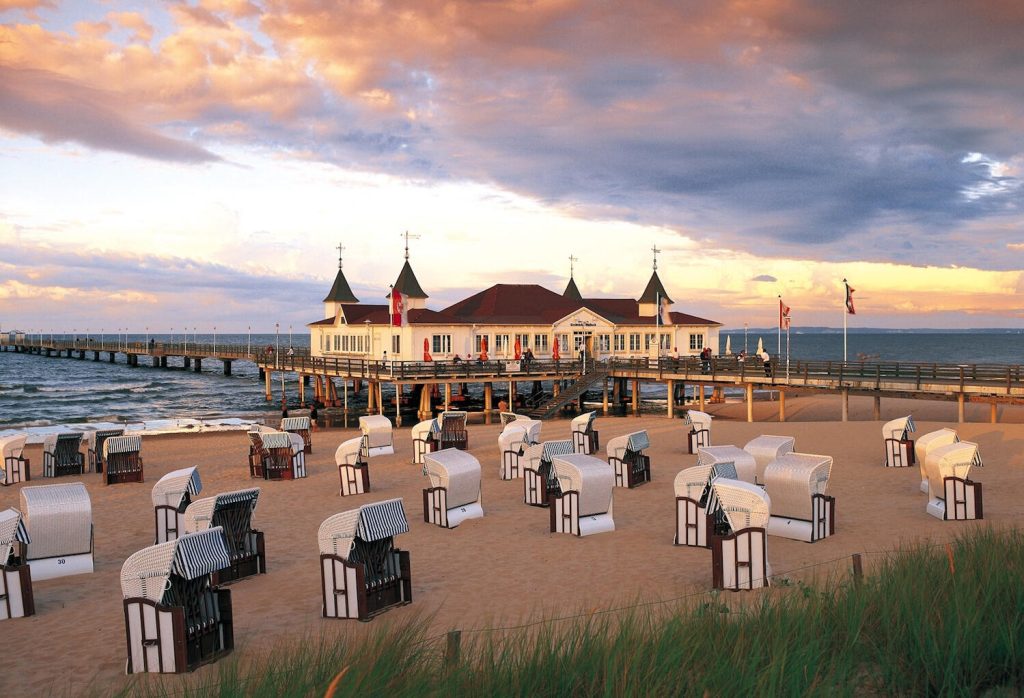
59	521
454	494
123	459
899	447
744	465
175	619
171	496
582	504
952	495
797	484
231	511
14	467
16	600
585	439
362	573
276	455
694	523
300	426
539	481
61	454
626	456
94	446
739	554
928	442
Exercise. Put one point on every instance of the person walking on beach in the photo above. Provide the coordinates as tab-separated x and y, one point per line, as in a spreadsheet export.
767	359
284	409
313	416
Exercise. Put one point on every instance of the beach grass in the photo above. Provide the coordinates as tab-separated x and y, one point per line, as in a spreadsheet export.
932	620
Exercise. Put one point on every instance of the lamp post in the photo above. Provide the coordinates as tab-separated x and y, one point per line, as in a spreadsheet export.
214	339
277	358
744	338
289	336
147	335
248	342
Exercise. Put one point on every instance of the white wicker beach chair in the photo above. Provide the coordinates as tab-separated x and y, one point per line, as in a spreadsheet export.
59	521
276	455
122	459
175	620
61	454
301	426
362	573
513	441
692	520
796	483
379	437
16	600
743	462
928	442
766	449
353	466
171	496
952	496
539	482
626	456
507	417
452	431
739	558
454	494
94	441
585	439
582	504
15	467
232	511
424	440
899	447
700	429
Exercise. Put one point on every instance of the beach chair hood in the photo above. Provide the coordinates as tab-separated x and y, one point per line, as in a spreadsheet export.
12	530
12	446
424	429
369	522
348	452
583	422
792	479
377	429
898	428
58	518
199	514
592	477
146	574
457	471
635	442
122	444
698	420
690	482
951	460
295	423
744	505
744	465
170	490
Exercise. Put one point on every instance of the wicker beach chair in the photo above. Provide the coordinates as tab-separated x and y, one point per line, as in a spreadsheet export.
276	455
362	573
15	467
123	459
507	417
585	439
452	430
424	440
583	502
353	466
175	619
692	520
744	464
739	553
766	449
231	511
513	441
899	448
626	455
171	496
94	446
302	427
61	454
59	521
928	442
700	429
454	494
952	495
379	438
797	483
16	600
539	481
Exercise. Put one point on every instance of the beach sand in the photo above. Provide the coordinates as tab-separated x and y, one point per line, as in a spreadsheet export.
506	567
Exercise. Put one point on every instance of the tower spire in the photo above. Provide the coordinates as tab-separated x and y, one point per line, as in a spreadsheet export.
406	235
341	248
572	259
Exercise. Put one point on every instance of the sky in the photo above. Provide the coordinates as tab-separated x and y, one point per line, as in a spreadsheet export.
196	164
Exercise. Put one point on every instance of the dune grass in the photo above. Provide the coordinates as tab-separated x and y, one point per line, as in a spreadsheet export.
931	621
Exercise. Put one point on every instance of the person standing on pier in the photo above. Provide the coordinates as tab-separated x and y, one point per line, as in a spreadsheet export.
767	359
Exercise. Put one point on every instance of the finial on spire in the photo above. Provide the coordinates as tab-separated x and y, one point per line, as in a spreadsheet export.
407	236
656	251
341	248
571	260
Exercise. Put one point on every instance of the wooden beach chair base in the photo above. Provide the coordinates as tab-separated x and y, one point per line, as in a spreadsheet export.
170	523
160	641
565	516
123	467
245	564
963	501
740	561
436	511
697	438
347	595
16	470
899	454
821	526
510	466
535	488
585	443
632	471
355	478
692	523
16	599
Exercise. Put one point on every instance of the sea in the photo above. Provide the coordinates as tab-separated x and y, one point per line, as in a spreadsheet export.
41	394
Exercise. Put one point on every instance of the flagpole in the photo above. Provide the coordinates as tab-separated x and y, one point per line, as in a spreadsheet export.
787	350
845	313
778	349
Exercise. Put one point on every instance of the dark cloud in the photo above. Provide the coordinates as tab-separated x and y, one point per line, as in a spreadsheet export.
765	277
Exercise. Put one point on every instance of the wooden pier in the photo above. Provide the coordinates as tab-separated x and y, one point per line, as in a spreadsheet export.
614	378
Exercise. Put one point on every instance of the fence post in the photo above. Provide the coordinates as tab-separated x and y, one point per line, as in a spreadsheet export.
858	570
453	652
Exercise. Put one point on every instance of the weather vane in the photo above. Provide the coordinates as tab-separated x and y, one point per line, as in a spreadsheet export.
656	251
341	248
571	260
407	236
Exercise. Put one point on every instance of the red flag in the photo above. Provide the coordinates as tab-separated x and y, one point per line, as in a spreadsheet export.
426	350
399	314
849	299
554	352
483	348
518	349
783	315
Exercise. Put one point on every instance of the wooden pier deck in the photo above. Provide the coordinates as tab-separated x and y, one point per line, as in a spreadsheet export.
987	383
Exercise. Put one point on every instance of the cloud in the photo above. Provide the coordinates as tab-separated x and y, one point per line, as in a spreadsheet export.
765	278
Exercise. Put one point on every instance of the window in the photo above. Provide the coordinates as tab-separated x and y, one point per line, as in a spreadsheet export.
524	341
396	345
441	344
634	341
620	342
649	340
479	343
666	341
541	340
578	342
604	342
321	341
337	342
563	343
696	342
501	344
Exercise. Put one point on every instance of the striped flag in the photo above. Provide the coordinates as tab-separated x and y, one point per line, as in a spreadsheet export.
783	315
849	298
399	310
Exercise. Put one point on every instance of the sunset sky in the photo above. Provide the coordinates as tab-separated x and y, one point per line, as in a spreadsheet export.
169	164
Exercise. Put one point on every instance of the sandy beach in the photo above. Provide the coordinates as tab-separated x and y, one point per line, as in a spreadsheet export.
503	568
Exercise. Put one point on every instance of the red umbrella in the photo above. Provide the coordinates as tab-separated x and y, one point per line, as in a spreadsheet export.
426	350
554	352
483	348
519	349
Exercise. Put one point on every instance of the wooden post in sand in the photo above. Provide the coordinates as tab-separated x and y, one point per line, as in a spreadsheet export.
604	397
700	398
846	404
636	397
398	404
488	401
266	381
876	412
302	390
750	402
447	397
960	408
371	397
670	392
992	412
782	405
